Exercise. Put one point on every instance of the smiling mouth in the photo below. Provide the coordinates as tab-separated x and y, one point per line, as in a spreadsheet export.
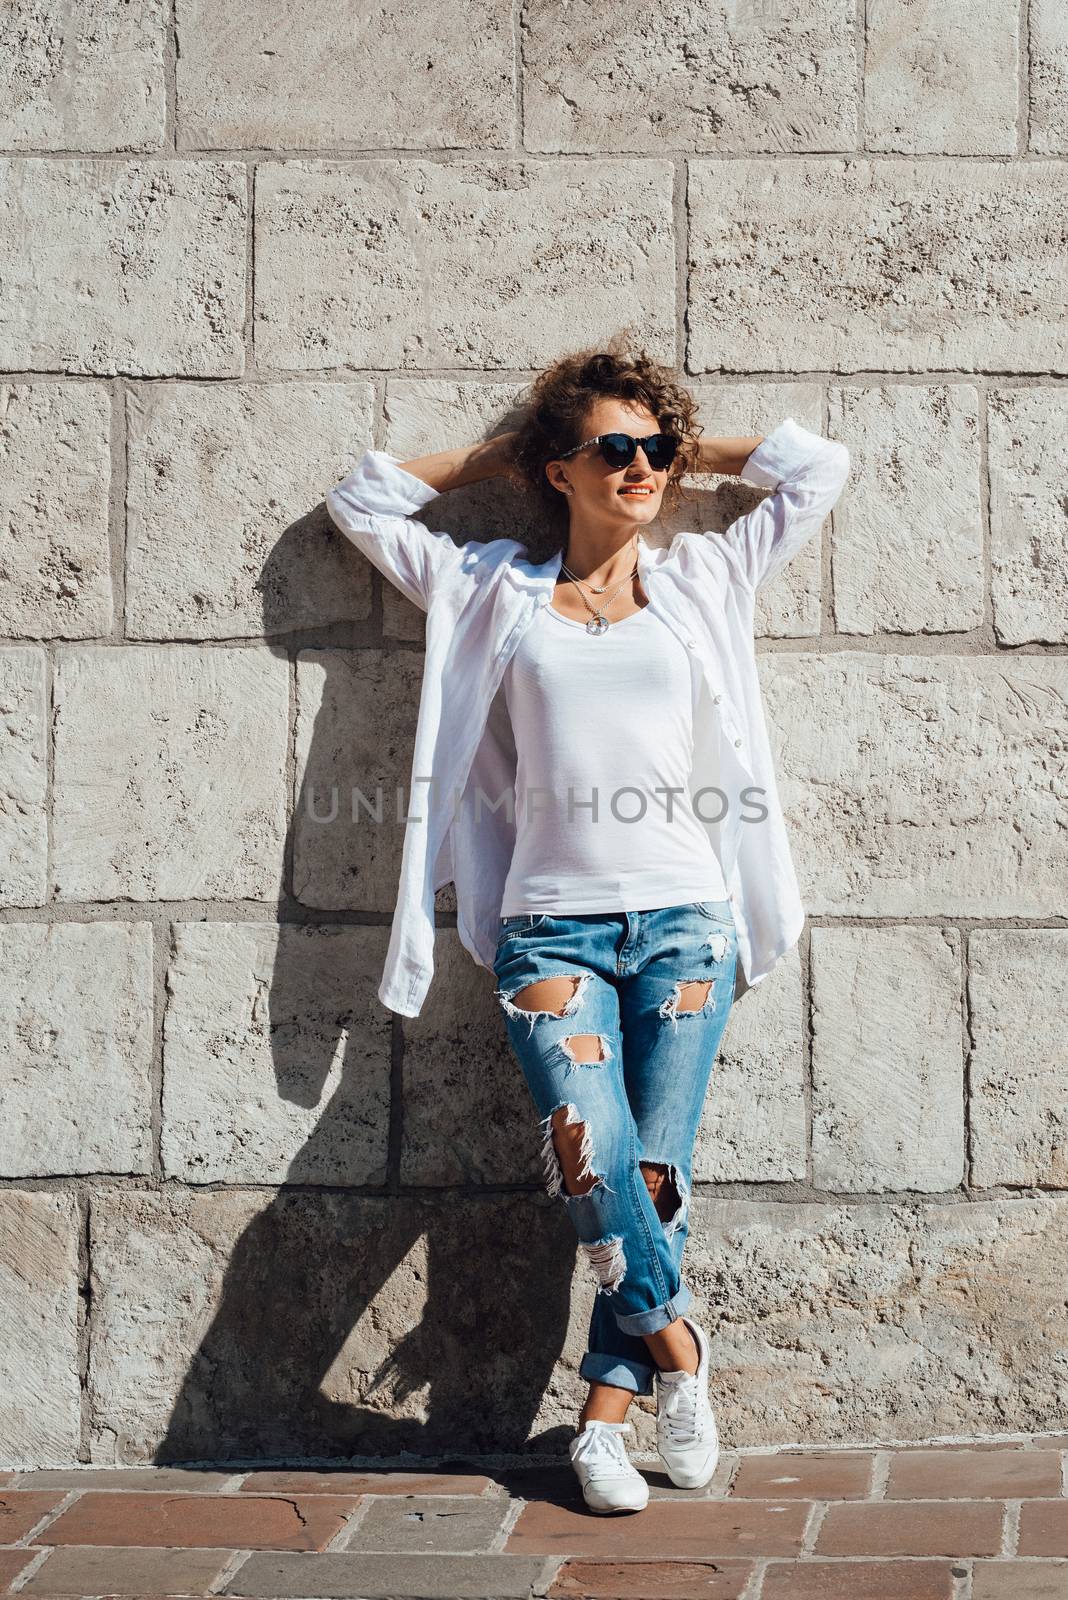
646	492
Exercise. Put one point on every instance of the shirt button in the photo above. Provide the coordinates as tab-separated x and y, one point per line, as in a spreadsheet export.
737	744
716	698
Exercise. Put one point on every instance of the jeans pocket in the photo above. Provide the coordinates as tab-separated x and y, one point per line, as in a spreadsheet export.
715	911
522	922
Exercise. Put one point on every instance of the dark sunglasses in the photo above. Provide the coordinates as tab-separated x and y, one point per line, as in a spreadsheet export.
619	449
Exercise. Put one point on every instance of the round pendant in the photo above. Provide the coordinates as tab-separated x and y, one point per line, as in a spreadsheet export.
598	625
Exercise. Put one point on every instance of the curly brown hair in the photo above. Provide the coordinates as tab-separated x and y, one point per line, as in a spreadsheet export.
555	407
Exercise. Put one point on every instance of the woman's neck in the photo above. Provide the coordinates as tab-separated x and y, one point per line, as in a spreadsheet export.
599	560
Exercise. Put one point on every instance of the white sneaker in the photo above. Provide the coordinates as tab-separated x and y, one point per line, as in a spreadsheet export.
686	1433
610	1481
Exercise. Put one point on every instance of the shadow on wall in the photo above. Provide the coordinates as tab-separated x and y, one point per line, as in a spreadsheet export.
348	1319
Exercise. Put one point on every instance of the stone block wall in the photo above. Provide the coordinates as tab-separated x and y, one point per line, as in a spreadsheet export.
245	1211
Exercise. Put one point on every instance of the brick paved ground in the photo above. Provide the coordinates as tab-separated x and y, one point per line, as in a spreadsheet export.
958	1522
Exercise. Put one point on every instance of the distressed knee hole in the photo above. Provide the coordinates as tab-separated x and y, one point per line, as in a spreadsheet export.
668	1191
548	994
688	997
658	1181
567	1153
574	1151
558	996
586	1047
692	996
608	1261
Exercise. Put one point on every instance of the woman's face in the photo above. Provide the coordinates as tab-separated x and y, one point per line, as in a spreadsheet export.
600	494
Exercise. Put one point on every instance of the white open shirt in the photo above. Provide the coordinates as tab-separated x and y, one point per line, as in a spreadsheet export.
479	598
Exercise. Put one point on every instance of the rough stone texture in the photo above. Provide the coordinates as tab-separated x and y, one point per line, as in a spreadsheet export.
222	540
400	618
84	76
843	1323
887	1059
1019	1062
753	1124
928	89
355	730
1047	125
169	773
788	606
882	1321
40	1395
907	541
76	1031
131	267
325	1324
55	469
922	785
276	1055
729	78
23	776
468	1113
352	259
1028	525
895	265
411	77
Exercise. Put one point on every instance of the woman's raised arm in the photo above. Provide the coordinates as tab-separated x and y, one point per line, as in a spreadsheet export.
467	463
375	508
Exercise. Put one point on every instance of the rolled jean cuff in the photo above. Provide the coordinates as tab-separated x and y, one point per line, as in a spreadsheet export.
640	1322
617	1370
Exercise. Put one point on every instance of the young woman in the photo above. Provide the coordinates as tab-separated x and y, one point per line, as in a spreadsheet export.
614	687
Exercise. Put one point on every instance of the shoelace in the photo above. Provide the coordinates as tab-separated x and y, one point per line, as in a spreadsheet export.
680	1409
603	1447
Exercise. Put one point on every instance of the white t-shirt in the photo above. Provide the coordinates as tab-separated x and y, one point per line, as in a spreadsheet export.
607	719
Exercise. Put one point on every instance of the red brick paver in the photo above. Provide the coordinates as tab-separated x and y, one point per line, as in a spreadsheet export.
971	1474
915	1528
21	1510
239	1521
12	1562
651	1580
821	1475
1043	1528
859	1580
152	1479
688	1528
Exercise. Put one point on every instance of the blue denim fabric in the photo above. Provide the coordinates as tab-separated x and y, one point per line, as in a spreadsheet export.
641	1102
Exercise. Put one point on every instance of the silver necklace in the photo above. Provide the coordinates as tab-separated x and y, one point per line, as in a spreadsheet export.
598	622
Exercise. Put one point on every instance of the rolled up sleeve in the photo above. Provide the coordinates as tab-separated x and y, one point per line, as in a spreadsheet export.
375	507
806	473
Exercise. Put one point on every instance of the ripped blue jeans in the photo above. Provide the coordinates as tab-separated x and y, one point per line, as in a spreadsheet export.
651	991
